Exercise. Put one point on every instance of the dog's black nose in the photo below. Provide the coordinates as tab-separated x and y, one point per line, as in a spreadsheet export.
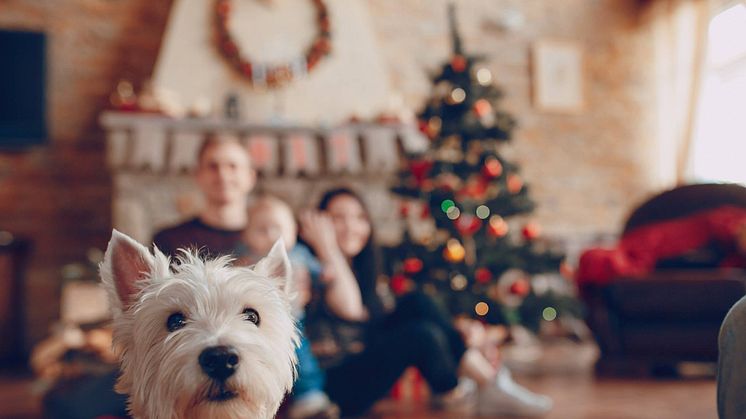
219	362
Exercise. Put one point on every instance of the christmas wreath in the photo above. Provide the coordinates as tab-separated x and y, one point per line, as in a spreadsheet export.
272	75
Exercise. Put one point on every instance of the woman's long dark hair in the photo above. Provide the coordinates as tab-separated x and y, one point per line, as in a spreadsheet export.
366	265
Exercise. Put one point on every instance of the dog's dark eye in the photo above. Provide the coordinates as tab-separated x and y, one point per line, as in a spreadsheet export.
175	322
251	315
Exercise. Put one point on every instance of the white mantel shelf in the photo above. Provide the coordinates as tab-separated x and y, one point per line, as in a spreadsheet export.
158	143
120	120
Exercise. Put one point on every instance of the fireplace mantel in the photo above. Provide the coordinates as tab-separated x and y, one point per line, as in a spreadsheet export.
151	158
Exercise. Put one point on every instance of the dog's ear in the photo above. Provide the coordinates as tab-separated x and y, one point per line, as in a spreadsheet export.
276	265
126	263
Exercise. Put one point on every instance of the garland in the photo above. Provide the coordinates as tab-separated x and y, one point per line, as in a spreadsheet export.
272	75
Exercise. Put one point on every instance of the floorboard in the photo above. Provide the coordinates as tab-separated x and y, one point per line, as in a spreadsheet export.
576	397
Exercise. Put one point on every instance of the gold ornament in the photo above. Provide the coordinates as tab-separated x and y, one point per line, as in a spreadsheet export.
454	251
433	126
482	308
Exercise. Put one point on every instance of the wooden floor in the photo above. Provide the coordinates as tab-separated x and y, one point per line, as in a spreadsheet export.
583	397
576	397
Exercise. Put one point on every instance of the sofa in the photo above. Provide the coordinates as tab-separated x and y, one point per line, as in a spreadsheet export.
654	307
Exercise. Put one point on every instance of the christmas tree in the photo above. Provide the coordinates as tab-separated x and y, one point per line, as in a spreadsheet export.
457	199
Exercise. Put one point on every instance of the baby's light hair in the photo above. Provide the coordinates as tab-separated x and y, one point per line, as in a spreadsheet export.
268	201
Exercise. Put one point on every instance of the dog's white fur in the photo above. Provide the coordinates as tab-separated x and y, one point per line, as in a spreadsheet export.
160	370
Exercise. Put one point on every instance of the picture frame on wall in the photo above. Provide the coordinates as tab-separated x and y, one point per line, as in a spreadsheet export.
558	77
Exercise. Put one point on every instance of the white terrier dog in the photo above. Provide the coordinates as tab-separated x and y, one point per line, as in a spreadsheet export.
200	338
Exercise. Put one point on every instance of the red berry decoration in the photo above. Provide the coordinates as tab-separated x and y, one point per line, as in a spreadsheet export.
404	209
567	270
423	126
458	63
515	183
399	284
425	212
483	275
412	265
520	287
246	69
468	224
492	168
531	230
420	169
482	107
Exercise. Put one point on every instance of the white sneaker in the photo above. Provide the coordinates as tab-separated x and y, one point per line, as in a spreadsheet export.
507	397
461	398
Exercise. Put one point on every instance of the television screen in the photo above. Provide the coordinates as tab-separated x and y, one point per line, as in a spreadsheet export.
22	89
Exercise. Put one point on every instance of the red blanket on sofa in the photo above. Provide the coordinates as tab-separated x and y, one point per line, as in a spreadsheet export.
638	251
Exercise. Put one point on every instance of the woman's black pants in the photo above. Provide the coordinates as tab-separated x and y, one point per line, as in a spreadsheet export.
419	334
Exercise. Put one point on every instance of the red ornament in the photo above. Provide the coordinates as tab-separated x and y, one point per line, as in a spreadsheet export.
515	183
531	230
482	107
412	265
425	212
520	287
468	224
483	275
246	69
399	284
458	63
404	209
420	169
498	227
474	189
566	270
423	126
492	168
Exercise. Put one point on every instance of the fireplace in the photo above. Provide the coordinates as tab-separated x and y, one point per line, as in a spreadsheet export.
151	158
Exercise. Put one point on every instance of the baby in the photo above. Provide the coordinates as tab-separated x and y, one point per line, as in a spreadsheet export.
270	218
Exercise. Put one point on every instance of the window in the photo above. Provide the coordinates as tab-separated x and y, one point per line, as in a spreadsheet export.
719	145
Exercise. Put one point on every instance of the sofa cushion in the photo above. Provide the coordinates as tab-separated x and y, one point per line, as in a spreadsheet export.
693	295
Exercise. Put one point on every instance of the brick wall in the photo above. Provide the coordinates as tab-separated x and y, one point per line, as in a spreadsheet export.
58	195
585	170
